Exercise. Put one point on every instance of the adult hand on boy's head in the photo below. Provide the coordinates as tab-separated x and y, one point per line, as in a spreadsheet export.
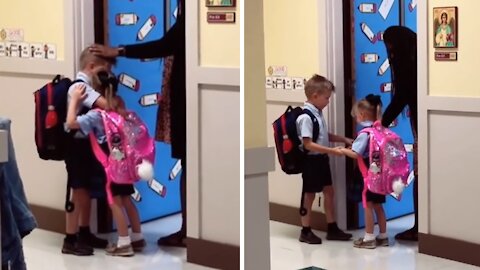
103	50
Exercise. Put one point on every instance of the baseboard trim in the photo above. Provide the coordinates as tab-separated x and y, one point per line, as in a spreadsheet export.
290	215
447	248
49	219
213	254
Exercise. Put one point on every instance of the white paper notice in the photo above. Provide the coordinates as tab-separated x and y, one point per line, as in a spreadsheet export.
25	50
3	51
412	5
384	67
14	49
37	50
269	82
409	147
385	8
288	83
52	51
298	83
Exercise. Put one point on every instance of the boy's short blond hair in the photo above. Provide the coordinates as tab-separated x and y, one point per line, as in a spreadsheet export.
87	56
318	84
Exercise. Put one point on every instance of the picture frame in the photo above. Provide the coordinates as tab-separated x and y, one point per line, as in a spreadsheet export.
220	3
445	27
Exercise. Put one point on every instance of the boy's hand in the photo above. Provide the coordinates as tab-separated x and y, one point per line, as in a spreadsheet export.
79	93
338	151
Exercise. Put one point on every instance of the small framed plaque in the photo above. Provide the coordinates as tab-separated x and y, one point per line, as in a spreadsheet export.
445	56
220	3
221	17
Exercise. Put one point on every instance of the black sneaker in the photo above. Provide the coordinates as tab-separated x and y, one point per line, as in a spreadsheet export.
76	248
93	241
338	235
173	240
310	238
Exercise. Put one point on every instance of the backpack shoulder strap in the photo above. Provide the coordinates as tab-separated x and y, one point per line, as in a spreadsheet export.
97	150
316	125
361	164
78	80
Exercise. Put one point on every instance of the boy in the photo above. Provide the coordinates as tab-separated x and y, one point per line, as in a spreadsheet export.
85	173
316	173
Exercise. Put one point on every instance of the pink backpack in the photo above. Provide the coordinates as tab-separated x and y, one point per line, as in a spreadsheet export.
130	147
388	170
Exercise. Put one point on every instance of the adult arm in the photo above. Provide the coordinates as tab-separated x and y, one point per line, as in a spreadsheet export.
341	139
395	107
315	147
153	49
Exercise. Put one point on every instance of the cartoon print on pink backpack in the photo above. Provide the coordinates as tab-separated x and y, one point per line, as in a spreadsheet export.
388	169
132	150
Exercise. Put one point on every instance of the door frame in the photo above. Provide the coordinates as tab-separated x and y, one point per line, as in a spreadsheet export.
334	66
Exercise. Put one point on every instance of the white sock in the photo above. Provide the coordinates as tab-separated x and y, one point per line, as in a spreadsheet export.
368	237
123	241
136	236
382	235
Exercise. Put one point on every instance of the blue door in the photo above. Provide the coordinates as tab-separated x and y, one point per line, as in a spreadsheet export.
131	22
371	73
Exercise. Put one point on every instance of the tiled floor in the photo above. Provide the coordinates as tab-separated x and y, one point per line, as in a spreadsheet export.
42	252
287	253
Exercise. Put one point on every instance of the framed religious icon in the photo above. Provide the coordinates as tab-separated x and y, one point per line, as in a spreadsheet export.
220	3
445	32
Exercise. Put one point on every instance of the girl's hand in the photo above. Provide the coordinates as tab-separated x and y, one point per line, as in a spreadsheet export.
79	93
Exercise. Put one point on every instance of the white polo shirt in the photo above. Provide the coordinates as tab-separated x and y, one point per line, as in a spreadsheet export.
88	102
305	127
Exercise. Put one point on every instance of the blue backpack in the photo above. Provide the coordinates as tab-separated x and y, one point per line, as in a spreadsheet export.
50	116
287	143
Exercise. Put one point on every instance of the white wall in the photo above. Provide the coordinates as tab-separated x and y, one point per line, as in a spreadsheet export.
213	128
295	44
258	159
313	45
44	181
449	112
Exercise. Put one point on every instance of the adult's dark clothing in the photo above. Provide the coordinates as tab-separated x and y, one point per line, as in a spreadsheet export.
171	44
401	44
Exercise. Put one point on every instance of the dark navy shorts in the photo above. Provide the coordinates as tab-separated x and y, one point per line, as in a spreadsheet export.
121	189
316	173
83	168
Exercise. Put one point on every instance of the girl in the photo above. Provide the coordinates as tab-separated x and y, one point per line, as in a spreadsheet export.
367	111
93	122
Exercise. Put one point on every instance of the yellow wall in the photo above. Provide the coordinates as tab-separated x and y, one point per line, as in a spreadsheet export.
219	42
456	78
44	24
292	36
255	105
